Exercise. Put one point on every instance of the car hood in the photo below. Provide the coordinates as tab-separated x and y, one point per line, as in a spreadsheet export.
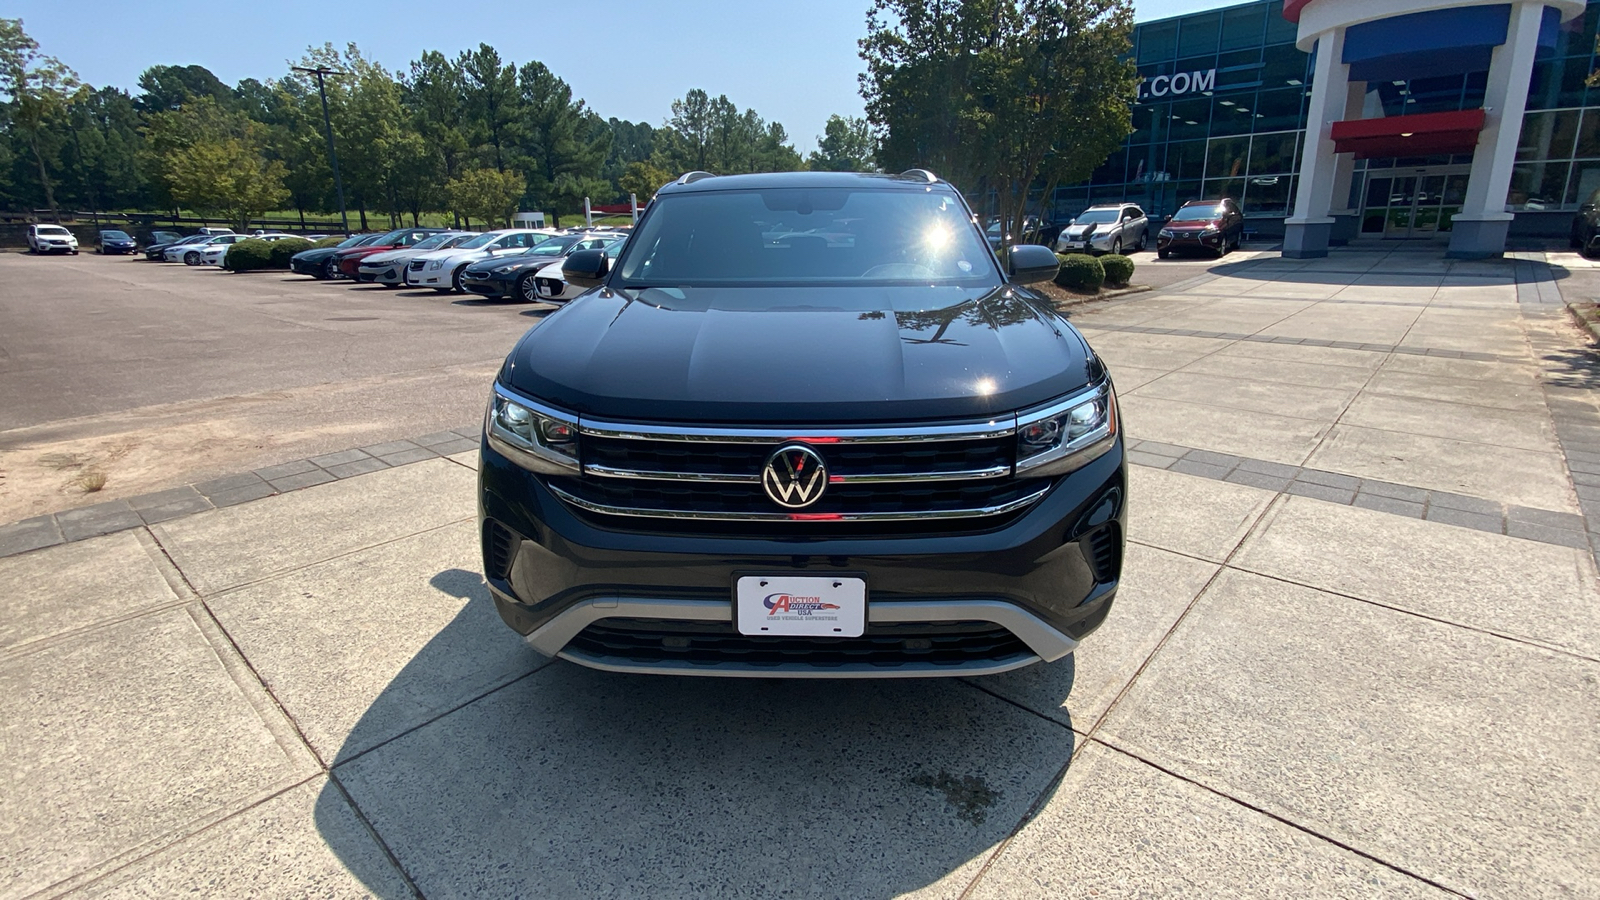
483	266
1187	226
799	356
315	254
387	256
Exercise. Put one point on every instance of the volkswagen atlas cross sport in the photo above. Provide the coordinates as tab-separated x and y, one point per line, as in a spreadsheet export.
804	425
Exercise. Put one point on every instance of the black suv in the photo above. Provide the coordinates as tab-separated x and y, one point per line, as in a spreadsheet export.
807	424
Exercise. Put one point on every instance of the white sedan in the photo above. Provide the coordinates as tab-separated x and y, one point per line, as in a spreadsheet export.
553	288
389	267
192	254
441	269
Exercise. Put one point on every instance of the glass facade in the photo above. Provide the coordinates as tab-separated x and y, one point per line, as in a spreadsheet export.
1221	112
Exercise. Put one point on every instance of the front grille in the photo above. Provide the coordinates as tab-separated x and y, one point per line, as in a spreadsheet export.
416	265
549	286
710	644
499	545
929	478
1103	547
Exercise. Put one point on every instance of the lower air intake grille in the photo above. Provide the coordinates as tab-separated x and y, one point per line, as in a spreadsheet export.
713	643
1103	547
499	544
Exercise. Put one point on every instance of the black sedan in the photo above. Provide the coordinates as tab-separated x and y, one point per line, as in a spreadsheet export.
320	262
156	252
112	241
512	276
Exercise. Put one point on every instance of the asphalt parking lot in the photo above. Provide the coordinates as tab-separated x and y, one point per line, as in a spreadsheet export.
1356	653
161	374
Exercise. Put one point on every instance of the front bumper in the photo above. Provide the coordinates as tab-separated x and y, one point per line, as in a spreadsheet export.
387	273
1098	241
429	277
582	588
489	285
1190	240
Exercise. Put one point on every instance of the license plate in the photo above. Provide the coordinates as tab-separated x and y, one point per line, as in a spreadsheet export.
788	605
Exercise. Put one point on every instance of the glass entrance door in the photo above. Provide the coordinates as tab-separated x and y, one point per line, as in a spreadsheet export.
1412	203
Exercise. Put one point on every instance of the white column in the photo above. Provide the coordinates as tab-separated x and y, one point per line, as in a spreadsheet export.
1344	167
1307	230
1481	226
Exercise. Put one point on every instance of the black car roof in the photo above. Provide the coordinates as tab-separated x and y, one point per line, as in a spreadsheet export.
770	180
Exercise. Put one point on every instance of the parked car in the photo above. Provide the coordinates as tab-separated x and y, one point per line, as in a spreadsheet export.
388	267
998	235
442	269
212	230
1106	228
164	237
512	275
318	262
1586	225
349	259
213	254
51	239
192	254
1211	226
157	252
887	457
114	241
550	286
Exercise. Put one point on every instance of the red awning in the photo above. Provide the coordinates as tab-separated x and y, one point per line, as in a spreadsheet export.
1293	8
1425	134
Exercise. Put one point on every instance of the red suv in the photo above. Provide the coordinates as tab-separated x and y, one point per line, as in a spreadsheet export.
1212	226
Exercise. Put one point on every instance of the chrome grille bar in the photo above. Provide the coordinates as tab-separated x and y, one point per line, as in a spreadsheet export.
736	478
974	431
922	515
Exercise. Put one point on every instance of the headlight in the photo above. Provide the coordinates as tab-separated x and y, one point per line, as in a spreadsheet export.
436	264
1167	232
1066	436
536	437
1208	232
501	270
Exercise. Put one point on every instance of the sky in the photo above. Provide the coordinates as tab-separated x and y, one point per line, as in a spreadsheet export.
793	63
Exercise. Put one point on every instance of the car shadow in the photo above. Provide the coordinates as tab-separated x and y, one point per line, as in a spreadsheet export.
572	782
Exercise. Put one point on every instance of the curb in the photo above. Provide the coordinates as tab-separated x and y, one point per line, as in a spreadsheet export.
69	526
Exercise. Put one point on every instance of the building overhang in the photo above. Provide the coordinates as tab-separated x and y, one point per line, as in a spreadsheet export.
1318	16
1424	134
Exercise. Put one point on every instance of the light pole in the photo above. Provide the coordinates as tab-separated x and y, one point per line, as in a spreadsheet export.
327	124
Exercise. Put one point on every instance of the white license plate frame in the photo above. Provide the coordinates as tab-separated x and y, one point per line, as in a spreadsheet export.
801	605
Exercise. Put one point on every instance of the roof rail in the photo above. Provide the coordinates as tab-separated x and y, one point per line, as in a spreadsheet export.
692	177
920	175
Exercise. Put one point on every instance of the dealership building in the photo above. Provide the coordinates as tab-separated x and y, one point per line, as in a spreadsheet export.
1455	121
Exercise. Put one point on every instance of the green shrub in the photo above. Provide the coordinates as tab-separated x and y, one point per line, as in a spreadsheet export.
329	241
1080	272
1119	269
247	255
282	250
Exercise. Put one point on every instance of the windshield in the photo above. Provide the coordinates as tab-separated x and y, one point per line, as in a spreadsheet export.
115	235
553	247
52	229
478	241
1098	216
805	236
434	242
1196	213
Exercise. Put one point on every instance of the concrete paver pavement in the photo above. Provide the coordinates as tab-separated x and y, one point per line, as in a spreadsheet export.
1317	681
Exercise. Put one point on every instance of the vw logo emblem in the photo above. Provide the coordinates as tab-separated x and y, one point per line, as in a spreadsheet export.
794	476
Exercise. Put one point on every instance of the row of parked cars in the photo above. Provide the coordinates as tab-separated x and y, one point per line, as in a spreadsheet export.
1204	226
511	263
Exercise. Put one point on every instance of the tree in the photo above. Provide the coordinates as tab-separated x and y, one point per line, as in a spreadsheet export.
165	88
642	180
486	195
1001	92
490	92
214	160
432	93
36	88
563	145
846	145
712	135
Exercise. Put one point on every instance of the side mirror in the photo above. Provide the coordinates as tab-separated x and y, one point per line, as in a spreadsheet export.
586	268
1032	263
